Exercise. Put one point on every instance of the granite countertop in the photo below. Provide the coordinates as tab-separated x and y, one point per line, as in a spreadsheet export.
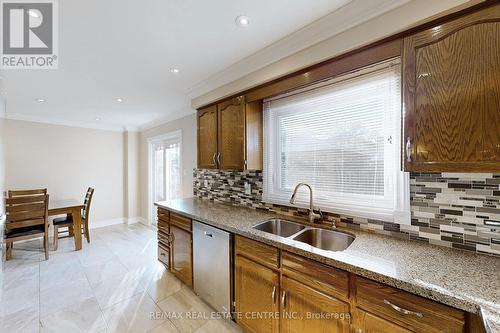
460	279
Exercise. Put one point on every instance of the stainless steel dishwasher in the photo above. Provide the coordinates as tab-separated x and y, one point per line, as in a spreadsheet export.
211	265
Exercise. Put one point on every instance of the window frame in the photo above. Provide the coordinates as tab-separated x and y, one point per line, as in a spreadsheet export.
394	207
176	136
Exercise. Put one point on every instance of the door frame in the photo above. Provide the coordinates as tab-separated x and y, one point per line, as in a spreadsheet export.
177	134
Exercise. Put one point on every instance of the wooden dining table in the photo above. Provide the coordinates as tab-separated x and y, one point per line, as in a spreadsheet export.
73	207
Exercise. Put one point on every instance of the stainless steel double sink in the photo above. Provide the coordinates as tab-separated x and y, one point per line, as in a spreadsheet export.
319	238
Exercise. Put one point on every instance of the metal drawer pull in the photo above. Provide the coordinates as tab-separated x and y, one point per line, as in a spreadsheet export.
273	295
171	238
408	149
283	299
403	311
218	159
208	234
213	159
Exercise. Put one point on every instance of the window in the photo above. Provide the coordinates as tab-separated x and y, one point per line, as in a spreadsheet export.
342	137
165	159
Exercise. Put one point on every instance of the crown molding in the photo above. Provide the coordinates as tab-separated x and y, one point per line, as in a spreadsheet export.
164	120
349	14
68	123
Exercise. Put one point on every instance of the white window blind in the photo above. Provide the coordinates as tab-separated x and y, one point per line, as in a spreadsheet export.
342	138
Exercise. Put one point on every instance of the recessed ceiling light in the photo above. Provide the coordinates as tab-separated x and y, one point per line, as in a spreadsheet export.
97	119
40	100
119	100
174	70
242	20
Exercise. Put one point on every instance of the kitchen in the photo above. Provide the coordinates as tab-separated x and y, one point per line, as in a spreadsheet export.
350	186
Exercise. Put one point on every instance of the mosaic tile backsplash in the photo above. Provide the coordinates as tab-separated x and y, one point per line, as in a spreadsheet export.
448	209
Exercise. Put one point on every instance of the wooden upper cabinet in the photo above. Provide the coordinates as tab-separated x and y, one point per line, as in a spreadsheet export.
207	137
254	127
231	134
451	92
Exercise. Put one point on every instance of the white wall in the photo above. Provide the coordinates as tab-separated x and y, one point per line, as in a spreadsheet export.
2	177
132	189
2	160
67	160
187	125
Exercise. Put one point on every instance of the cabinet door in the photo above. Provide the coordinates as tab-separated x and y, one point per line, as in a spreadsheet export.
231	136
369	323
304	309
451	95
256	293
181	263
207	137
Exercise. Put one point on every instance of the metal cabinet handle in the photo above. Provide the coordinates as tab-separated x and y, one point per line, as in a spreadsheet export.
273	295
208	234
172	238
403	311
218	159
213	159
408	149
283	299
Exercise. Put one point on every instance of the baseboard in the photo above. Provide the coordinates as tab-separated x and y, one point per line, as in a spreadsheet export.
137	219
106	223
119	220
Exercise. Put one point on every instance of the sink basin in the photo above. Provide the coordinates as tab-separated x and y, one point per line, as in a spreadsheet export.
325	239
279	227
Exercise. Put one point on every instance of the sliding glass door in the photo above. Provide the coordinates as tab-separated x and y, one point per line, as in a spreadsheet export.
165	170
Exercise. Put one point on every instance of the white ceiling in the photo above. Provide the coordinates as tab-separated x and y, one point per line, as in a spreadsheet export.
117	48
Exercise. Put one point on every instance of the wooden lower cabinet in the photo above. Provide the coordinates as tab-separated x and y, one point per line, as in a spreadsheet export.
305	309
256	291
181	254
276	291
415	313
315	298
370	323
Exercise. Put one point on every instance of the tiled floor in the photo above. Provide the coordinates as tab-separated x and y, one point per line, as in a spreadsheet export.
114	284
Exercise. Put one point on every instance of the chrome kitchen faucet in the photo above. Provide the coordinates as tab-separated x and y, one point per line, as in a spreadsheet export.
312	215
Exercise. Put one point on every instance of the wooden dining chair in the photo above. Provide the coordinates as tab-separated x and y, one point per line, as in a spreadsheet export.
67	222
27	218
23	193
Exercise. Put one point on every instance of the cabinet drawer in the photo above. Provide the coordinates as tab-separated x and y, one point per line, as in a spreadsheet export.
163	237
164	255
391	303
325	278
164	228
163	214
257	251
181	221
163	222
